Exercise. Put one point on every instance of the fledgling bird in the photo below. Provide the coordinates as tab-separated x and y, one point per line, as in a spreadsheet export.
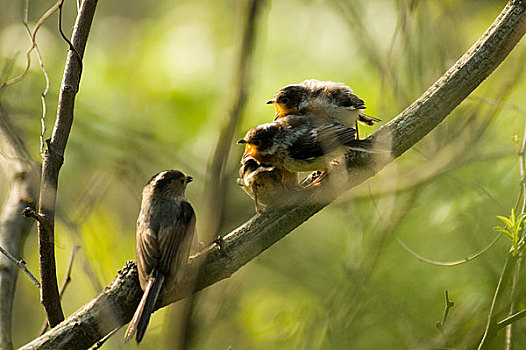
326	100
266	185
165	233
295	143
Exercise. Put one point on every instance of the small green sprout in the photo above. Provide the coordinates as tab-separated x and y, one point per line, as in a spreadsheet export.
512	229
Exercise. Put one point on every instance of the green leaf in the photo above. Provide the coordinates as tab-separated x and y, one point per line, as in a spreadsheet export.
506	221
502	230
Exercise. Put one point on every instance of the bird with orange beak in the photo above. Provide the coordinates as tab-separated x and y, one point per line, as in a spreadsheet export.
296	143
326	101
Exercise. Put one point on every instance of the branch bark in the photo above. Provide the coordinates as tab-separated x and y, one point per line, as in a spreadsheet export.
14	227
53	160
114	307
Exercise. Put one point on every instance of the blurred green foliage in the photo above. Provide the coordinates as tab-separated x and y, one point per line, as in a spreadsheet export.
155	89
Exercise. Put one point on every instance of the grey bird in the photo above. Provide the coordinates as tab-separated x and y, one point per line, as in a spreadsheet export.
165	234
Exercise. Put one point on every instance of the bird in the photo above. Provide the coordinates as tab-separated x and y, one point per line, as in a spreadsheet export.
266	184
165	232
292	99
327	101
297	143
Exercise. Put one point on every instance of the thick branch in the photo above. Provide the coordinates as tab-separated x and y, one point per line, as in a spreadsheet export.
14	227
52	162
115	306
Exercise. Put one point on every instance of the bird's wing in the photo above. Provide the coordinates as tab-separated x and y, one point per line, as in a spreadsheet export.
347	99
311	143
148	252
174	232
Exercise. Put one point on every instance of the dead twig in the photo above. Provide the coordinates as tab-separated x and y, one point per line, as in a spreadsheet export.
22	265
33	35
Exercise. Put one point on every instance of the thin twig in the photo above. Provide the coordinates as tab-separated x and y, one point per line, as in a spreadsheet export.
510	319
494	102
516	276
46	77
513	303
30	213
490	329
66	39
447	263
22	265
449	305
522	172
101	342
40	22
440	325
67	276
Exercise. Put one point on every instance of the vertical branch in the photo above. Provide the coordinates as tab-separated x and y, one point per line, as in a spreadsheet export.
520	210
53	159
491	323
521	205
217	165
14	227
65	282
510	274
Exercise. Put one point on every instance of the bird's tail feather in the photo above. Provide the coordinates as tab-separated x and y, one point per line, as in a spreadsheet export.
368	145
142	315
367	119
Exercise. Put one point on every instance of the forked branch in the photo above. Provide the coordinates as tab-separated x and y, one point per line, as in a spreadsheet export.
52	162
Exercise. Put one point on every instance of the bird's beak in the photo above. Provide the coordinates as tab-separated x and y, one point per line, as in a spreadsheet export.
250	151
280	112
189	179
242	142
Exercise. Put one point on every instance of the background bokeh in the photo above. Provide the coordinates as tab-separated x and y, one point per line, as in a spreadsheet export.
156	89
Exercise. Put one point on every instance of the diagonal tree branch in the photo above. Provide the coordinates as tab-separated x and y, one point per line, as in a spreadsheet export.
114	307
53	160
22	265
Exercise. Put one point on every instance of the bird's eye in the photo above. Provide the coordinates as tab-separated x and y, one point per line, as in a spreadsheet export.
181	181
285	100
256	143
